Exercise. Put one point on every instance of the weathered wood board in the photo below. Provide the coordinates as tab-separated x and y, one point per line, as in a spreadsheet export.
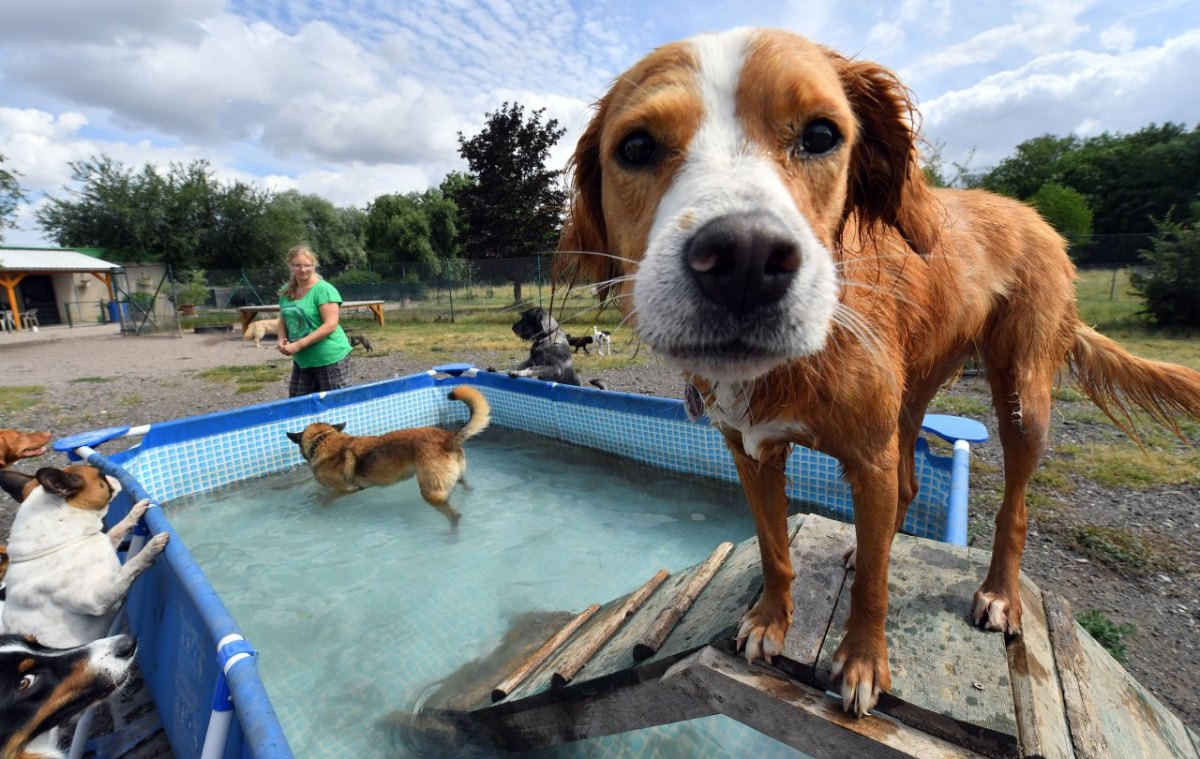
817	551
1134	723
1037	693
798	715
949	678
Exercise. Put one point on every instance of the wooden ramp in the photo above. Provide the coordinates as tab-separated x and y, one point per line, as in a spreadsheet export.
664	653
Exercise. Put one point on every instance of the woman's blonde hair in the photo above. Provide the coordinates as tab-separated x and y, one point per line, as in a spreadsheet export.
296	251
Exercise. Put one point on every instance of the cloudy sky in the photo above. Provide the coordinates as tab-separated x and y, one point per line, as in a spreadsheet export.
350	99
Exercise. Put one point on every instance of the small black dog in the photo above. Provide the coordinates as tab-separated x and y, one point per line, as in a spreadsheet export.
361	340
550	353
580	342
41	687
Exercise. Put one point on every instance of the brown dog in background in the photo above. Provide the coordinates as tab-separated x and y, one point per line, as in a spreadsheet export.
259	329
758	205
347	463
16	445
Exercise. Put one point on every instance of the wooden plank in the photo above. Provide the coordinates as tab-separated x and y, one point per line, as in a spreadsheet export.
949	678
549	647
717	613
795	714
583	651
1087	734
816	551
1037	694
1134	722
654	636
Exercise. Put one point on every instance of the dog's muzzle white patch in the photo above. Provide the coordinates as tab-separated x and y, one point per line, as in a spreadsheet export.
715	339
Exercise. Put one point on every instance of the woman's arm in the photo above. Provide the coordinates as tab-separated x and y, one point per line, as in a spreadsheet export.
329	322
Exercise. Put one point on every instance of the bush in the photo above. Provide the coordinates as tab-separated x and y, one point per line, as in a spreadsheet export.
1171	280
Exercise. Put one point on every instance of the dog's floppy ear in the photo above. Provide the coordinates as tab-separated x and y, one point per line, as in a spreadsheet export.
339	426
59	483
886	182
295	437
13	483
585	236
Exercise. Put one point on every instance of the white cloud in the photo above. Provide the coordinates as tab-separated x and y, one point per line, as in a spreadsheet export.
1118	38
1061	92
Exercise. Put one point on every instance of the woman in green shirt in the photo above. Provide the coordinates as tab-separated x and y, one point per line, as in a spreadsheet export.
308	328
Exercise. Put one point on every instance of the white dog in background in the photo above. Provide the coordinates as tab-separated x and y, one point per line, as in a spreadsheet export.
603	341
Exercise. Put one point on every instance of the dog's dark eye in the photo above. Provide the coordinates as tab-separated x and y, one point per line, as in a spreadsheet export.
819	138
27	682
637	149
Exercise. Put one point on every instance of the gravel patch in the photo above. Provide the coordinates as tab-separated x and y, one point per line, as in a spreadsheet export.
146	379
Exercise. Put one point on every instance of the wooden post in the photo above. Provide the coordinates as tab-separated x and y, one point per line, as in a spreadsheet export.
10	282
518	676
571	666
670	616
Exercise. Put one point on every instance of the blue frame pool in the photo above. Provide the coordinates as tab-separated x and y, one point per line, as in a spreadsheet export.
191	649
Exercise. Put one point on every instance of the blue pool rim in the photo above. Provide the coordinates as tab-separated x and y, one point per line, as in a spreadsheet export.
256	729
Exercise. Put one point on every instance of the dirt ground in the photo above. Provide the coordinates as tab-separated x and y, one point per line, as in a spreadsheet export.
93	377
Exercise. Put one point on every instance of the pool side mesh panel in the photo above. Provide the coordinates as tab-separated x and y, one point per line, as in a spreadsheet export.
657	439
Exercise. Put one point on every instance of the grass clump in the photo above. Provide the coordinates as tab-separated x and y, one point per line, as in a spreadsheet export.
90	380
1107	633
249	378
20	398
1113	547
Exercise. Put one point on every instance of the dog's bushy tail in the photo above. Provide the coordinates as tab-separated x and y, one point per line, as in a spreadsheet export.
481	414
1117	381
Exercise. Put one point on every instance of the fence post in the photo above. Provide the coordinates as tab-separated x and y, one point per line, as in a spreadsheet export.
539	278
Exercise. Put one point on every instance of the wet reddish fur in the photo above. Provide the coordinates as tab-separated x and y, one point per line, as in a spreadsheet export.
939	276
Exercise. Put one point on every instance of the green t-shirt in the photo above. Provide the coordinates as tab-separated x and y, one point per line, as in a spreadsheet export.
304	316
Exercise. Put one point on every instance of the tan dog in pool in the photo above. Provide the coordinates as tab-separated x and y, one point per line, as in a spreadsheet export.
347	463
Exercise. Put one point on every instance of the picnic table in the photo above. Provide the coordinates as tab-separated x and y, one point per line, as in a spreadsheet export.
250	312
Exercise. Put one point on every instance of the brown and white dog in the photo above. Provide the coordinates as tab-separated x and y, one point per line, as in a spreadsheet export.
257	330
16	445
348	463
65	583
41	687
761	212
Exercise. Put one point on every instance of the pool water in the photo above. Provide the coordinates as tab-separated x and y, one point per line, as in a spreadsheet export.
361	605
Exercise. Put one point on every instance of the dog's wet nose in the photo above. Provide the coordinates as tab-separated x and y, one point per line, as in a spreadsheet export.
743	260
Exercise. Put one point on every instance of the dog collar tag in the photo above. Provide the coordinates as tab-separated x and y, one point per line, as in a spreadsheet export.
693	402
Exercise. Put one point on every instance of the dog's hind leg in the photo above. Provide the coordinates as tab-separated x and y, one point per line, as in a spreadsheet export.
436	492
1023	411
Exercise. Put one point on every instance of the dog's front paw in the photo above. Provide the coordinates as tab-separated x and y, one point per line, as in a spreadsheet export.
762	631
156	544
139	509
862	669
996	610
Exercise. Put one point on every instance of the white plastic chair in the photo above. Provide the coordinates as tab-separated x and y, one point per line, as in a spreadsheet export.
29	319
6	321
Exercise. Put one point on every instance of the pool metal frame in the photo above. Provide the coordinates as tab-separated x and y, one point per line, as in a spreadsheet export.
198	667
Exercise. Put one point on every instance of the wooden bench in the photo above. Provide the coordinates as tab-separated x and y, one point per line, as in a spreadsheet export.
250	312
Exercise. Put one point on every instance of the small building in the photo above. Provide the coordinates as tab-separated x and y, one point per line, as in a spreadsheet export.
66	285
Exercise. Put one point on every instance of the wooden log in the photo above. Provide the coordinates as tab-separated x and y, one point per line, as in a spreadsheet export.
583	652
670	616
540	655
1086	731
816	551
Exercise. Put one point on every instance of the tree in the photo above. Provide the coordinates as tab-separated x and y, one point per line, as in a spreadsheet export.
1066	210
335	234
397	230
1172	276
513	205
10	197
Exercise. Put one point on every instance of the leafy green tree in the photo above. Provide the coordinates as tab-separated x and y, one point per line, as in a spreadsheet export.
11	196
1171	278
1066	210
513	206
1035	164
398	230
335	234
